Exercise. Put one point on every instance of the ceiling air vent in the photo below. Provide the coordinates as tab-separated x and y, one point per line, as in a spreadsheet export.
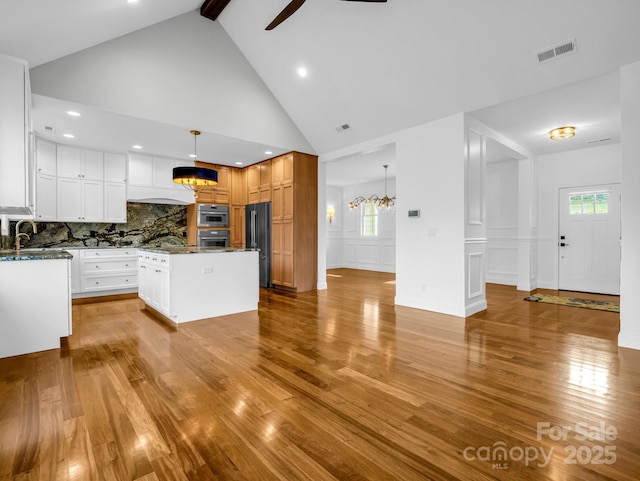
558	50
598	140
343	128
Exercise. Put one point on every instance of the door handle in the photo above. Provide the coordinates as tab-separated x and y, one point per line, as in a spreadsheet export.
563	244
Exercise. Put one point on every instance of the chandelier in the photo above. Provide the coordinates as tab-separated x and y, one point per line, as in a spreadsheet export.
380	202
193	177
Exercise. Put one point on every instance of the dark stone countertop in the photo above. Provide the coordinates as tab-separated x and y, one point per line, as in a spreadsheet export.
33	254
192	250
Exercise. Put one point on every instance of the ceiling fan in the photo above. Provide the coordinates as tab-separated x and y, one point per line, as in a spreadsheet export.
295	5
212	8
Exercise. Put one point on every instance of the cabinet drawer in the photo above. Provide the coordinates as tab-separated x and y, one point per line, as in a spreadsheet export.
118	252
90	266
109	282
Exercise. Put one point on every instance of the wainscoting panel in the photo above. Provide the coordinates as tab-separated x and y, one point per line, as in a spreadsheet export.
475	296
502	261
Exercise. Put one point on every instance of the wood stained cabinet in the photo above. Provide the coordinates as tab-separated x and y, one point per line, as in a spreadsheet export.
237	234
294	206
259	182
218	194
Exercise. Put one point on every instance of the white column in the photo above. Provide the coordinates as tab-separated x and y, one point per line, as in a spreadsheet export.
527	225
630	207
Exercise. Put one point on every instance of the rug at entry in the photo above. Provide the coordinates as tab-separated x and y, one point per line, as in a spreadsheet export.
575	302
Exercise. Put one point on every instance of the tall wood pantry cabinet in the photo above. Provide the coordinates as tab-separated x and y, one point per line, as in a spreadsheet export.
294	207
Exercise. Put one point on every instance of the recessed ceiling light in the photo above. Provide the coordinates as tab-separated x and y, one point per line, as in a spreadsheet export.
193	156
132	1
268	152
239	163
73	113
302	72
68	136
137	146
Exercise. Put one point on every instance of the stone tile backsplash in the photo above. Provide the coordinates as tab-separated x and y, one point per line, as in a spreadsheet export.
147	224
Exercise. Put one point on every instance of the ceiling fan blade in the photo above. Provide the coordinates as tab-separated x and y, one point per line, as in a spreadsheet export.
286	13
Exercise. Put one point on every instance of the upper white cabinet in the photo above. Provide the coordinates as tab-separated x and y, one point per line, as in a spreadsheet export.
46	157
115	167
80	200
80	185
115	188
46	200
16	167
80	163
140	170
150	179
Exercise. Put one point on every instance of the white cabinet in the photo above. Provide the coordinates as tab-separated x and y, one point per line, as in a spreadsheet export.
46	198
151	179
46	201
115	168
80	200
36	305
115	202
140	170
46	157
80	185
80	163
16	169
112	270
187	287
115	188
154	282
163	172
74	270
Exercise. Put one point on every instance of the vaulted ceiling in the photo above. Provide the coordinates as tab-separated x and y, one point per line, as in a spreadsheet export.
384	67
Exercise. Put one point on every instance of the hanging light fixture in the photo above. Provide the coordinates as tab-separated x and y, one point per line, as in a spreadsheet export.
562	133
193	177
380	202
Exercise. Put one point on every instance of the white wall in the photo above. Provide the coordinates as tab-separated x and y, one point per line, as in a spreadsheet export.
630	153
502	222
430	253
144	74
345	246
590	166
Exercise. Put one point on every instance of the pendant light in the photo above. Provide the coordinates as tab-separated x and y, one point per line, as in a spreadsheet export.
193	177
380	202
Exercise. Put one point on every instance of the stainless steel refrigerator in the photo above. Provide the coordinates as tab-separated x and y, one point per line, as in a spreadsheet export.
258	236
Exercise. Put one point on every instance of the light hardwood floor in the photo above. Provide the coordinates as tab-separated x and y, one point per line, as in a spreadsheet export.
329	385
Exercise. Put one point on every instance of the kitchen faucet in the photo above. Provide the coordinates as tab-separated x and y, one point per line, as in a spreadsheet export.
20	234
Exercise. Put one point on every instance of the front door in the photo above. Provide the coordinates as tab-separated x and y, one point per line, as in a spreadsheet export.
589	239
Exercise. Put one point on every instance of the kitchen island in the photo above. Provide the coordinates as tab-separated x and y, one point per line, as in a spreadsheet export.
35	301
185	284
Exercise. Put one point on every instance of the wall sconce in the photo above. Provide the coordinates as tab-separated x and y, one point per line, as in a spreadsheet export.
331	211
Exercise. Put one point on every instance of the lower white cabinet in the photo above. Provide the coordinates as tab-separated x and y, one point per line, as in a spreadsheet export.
103	271
35	308
154	285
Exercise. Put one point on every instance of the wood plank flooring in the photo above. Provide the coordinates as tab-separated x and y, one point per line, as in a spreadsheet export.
329	385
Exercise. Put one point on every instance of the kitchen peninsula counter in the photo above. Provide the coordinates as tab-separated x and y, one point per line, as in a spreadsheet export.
35	300
190	283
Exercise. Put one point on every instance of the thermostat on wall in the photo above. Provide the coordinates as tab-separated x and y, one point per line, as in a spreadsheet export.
414	213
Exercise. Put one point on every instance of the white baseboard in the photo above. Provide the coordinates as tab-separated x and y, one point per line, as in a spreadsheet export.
630	342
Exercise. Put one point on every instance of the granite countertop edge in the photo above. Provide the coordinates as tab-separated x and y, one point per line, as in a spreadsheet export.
194	250
45	253
12	255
